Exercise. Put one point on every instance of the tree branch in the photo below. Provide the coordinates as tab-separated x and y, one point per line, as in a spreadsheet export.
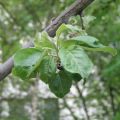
70	110
112	100
77	7
83	102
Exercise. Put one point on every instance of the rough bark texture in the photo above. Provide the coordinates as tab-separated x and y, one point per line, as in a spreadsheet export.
77	7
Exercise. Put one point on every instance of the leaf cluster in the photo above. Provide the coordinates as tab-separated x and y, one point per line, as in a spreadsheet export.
60	60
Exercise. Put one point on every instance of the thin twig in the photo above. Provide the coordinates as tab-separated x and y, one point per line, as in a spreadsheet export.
83	102
69	108
112	100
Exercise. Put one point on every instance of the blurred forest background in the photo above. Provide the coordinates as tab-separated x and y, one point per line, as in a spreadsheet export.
98	99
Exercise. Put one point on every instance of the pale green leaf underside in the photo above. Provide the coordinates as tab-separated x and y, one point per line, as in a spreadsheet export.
91	43
67	27
75	60
43	41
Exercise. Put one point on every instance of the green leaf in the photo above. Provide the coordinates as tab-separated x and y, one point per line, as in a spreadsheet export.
76	77
75	60
43	41
60	85
25	61
91	43
21	72
47	68
67	27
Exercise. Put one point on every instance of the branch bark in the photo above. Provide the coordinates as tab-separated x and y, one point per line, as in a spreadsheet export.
77	7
